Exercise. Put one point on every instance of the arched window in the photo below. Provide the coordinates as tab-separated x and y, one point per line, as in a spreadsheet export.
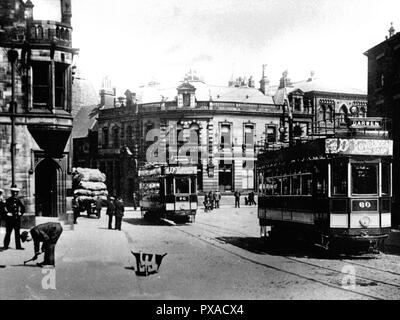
40	32
343	113
322	113
363	112
329	113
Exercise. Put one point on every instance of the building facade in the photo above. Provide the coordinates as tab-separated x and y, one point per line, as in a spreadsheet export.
218	128
35	105
384	100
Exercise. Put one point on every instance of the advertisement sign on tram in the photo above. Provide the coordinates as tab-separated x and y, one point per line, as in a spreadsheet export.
373	147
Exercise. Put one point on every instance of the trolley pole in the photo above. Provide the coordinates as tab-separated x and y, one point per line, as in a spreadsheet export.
12	58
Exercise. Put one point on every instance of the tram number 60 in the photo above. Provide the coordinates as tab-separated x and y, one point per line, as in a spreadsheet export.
365	204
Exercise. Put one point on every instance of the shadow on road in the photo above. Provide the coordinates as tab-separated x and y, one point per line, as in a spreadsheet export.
26	265
295	248
144	222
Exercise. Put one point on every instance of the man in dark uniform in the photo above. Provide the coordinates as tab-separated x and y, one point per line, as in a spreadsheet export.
48	233
15	209
110	211
119	213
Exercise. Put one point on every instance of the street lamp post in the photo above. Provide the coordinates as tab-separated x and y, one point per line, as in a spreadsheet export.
12	58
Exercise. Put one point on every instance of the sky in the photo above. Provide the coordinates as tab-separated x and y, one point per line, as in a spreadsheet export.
135	42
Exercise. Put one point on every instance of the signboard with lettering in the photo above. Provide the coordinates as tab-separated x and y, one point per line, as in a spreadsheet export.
180	170
359	147
149	172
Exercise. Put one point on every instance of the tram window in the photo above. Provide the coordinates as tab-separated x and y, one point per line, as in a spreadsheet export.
276	186
269	186
193	188
296	185
182	185
169	186
306	183
320	181
285	186
386	178
364	178
339	178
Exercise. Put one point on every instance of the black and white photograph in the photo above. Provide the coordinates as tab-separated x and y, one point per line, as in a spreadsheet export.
213	152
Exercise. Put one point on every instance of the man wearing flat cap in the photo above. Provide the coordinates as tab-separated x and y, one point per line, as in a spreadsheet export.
48	233
15	209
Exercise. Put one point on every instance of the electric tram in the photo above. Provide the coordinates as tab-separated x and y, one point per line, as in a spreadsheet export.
331	190
168	192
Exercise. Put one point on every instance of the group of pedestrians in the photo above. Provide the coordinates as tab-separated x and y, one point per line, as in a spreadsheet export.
115	208
211	200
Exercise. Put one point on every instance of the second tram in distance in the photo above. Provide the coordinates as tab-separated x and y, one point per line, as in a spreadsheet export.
329	190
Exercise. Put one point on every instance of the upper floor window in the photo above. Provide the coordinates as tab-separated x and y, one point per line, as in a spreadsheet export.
249	135
105	138
129	133
115	137
43	90
225	135
297	104
41	83
186	100
271	134
60	84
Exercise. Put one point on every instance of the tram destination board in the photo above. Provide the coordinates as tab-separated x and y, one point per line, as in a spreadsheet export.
376	147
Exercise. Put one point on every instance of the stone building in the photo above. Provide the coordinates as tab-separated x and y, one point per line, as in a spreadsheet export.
384	100
35	104
220	128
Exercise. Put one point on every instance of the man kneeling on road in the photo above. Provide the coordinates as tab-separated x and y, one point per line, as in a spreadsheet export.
48	233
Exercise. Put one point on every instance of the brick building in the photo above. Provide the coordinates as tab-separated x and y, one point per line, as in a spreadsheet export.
384	100
36	106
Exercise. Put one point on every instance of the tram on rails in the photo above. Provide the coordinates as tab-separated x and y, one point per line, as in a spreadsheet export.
333	190
168	192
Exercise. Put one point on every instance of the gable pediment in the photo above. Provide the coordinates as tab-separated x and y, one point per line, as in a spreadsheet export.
186	86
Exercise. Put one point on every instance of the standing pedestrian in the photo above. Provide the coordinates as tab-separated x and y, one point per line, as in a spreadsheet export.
251	199
217	198
211	198
237	199
99	206
48	233
110	211
134	199
119	212
75	209
15	209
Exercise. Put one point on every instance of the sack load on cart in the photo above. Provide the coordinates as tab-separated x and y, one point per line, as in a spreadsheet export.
90	190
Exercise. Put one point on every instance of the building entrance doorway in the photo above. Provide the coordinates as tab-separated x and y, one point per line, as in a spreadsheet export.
225	176
48	188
